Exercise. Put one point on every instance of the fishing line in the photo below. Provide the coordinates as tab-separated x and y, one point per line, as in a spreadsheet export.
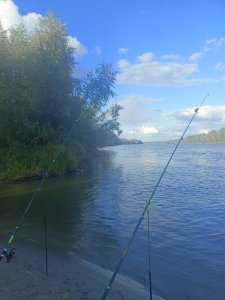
108	287
38	188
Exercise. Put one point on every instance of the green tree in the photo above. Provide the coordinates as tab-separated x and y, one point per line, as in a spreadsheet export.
40	98
100	125
52	73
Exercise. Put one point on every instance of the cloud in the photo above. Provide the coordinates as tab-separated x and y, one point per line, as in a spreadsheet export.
207	113
144	131
140	119
122	50
136	110
215	42
209	117
203	130
148	130
79	48
123	63
148	71
196	56
210	45
30	20
10	16
137	118
146	57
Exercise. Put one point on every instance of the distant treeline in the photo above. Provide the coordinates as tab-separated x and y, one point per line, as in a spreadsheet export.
124	141
210	137
41	98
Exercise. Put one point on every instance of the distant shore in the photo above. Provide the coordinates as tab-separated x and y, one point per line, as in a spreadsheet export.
69	278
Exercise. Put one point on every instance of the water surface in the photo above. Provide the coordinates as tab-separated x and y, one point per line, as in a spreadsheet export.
94	215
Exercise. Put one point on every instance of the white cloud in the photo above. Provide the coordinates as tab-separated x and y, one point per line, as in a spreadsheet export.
144	131
30	20
146	57
148	130
140	120
123	63
137	117
136	110
147	71
122	50
209	46
209	117
196	56
215	42
207	113
203	131
79	48
10	16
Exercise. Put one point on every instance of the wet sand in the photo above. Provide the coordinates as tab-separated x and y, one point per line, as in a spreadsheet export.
69	278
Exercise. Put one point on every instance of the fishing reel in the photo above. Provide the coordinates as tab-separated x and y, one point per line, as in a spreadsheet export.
9	255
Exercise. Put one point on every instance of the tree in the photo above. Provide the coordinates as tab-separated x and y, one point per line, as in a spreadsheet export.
53	72
100	124
36	92
40	98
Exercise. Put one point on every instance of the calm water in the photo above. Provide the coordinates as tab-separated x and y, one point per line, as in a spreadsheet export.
94	215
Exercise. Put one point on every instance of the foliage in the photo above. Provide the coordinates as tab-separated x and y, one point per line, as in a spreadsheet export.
124	141
40	99
24	162
211	137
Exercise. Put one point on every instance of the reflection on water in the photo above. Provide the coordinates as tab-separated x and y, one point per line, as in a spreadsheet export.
94	215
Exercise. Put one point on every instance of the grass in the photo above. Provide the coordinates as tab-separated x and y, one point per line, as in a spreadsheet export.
24	163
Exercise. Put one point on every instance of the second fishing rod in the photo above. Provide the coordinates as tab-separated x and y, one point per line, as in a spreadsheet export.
148	203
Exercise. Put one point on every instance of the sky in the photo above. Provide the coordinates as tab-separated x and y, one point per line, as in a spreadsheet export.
169	54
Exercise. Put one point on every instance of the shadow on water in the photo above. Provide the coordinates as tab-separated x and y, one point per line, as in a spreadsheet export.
68	200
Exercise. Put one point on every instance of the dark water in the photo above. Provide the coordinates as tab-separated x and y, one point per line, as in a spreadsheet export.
94	215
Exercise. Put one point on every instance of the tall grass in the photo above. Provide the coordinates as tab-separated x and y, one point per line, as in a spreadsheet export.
23	163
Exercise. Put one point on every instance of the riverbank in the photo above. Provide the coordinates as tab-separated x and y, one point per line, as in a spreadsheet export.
69	278
29	163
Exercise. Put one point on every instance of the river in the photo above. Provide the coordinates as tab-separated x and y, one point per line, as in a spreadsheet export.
93	214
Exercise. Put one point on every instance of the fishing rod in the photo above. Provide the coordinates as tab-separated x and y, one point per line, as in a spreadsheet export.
45	230
147	206
9	255
149	256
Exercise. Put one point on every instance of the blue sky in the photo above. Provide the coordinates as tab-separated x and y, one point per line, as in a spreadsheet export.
169	55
